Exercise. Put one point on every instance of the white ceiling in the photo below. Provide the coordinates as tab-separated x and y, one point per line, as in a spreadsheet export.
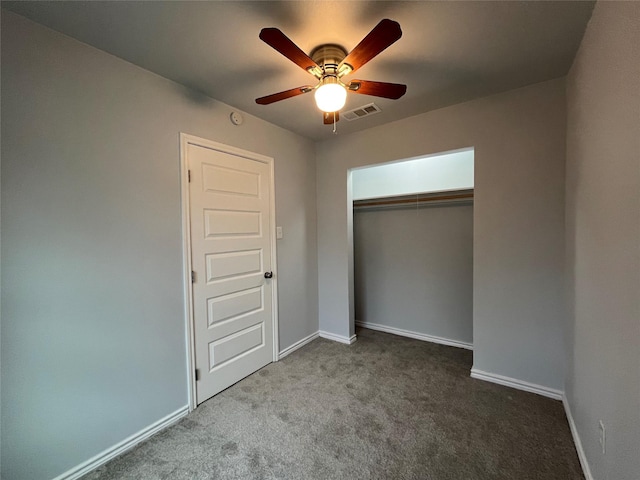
450	52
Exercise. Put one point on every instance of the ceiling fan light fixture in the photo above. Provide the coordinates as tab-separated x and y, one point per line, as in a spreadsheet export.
330	62
330	95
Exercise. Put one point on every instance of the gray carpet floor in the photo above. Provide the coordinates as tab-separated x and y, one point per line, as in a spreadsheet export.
386	407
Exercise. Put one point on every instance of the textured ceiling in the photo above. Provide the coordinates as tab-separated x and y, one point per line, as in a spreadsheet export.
450	52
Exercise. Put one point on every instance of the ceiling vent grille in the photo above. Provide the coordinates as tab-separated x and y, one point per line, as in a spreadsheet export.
364	111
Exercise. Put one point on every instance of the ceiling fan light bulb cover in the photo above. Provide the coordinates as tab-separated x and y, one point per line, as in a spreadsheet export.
330	97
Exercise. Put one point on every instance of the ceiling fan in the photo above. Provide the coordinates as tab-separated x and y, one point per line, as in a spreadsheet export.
330	62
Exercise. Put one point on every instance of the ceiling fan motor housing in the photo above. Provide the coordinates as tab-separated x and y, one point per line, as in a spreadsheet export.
328	57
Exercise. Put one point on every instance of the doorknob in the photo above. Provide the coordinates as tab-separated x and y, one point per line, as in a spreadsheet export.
268	274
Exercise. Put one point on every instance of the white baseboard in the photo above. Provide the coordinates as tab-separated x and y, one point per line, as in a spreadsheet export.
416	335
337	338
517	384
298	344
576	440
119	448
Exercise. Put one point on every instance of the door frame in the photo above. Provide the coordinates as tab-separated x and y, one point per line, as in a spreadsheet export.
185	141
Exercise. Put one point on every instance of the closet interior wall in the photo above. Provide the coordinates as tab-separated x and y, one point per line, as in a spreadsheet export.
414	265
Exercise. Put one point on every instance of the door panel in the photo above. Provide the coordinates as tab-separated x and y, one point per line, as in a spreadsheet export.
231	229
234	305
233	264
232	346
230	224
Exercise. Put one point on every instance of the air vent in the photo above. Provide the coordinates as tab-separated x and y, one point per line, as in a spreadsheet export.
360	112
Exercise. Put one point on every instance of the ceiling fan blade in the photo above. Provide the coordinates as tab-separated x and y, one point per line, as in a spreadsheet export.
383	35
280	42
276	97
328	119
378	89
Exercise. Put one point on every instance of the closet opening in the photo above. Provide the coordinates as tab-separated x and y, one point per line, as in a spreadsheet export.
412	237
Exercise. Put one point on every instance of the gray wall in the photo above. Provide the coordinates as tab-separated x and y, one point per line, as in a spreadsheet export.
93	328
519	140
603	240
414	269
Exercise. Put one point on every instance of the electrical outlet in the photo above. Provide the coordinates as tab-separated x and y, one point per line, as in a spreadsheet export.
603	436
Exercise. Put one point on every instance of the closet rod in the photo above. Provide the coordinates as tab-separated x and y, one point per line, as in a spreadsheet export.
413	200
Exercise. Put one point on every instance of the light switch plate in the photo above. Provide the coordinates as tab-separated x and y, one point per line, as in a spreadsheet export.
278	232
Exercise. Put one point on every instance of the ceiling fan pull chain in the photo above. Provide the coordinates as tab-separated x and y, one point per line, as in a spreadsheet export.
335	132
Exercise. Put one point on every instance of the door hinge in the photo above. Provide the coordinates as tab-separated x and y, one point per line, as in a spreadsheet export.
193	276
189	175
197	374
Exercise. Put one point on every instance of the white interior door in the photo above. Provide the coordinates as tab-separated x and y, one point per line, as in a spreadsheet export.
231	240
